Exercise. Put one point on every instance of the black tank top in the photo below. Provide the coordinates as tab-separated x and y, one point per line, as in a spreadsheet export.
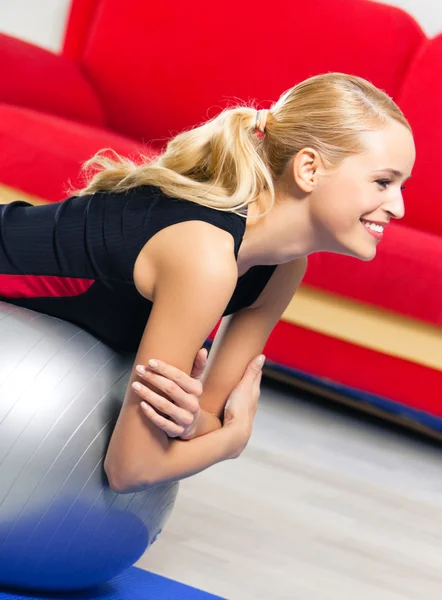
74	259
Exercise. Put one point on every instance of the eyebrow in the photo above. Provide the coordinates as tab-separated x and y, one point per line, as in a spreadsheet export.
393	172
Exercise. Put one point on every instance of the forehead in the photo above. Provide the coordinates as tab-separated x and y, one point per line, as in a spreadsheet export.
391	146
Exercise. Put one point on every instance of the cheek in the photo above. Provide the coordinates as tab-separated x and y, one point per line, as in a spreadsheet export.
343	206
341	203
357	201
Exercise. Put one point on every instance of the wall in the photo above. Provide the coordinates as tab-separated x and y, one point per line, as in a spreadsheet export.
39	21
428	13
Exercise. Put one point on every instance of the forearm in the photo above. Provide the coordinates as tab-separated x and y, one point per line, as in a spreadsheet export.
207	423
186	458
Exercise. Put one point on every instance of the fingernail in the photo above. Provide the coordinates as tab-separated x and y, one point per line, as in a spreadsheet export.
136	386
140	369
260	360
153	363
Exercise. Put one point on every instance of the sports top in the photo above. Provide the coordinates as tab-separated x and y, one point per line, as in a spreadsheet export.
74	259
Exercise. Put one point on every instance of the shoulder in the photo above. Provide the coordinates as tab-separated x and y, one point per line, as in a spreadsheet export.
192	286
193	254
196	244
190	248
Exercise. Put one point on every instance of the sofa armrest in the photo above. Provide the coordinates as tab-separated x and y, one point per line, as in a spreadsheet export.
36	78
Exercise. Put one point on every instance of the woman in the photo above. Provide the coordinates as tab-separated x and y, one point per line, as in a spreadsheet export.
149	256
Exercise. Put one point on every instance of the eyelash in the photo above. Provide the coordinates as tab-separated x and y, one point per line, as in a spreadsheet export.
385	182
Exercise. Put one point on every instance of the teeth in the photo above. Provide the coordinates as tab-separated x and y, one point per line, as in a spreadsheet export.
373	226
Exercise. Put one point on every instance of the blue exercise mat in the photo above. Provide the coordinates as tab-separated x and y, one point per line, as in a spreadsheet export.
133	584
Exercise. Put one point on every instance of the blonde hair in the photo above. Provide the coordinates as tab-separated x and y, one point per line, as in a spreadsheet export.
225	165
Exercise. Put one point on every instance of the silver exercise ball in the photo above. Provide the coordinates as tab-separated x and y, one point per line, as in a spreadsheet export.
61	526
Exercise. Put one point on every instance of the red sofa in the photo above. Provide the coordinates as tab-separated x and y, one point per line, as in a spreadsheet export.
131	74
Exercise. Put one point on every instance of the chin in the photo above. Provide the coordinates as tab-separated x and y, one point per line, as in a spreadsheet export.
356	247
363	253
366	256
360	247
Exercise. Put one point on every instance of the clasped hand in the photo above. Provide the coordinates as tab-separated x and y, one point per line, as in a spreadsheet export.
179	413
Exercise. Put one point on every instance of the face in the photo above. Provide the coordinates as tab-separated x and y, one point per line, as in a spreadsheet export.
350	209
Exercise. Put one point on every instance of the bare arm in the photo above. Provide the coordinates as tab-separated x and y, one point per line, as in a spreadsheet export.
191	291
243	335
240	337
186	458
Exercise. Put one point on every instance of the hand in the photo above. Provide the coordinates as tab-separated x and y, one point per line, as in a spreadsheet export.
242	404
178	414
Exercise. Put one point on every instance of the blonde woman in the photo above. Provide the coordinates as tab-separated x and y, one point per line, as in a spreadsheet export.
149	256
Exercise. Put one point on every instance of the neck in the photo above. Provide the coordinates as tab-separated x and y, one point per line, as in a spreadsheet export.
283	235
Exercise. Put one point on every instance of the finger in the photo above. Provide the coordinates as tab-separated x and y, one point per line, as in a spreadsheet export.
258	377
169	427
200	364
201	356
252	375
188	402
184	381
254	369
179	415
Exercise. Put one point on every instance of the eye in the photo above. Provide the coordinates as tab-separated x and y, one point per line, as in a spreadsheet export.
386	182
383	183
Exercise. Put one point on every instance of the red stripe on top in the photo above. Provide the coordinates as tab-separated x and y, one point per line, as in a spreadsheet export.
34	286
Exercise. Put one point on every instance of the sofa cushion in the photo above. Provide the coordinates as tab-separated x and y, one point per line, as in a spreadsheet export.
161	69
405	276
45	153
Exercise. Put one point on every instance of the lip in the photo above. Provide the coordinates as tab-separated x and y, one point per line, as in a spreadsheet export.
375	234
383	223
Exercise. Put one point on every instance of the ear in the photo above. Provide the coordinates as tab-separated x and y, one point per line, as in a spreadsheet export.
305	164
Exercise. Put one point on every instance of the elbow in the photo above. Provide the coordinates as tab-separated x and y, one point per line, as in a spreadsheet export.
122	481
118	484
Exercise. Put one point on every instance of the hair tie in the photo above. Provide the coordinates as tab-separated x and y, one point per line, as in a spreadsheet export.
261	120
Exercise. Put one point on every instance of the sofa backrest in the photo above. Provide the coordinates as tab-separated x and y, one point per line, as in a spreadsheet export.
160	67
420	97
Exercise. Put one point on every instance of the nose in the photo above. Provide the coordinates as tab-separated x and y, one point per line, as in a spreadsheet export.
396	207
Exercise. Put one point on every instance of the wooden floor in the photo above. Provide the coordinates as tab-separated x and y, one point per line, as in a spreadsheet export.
324	504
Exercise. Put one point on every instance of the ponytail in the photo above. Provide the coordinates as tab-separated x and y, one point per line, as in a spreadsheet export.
219	165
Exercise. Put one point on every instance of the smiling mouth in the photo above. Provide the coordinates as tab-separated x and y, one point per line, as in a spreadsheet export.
375	229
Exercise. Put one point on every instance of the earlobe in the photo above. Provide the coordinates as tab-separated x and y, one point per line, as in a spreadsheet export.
305	178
